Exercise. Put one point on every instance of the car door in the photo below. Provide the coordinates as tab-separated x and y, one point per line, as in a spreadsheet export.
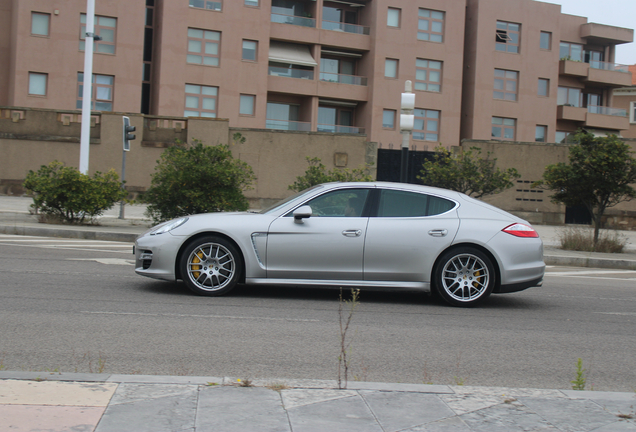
326	246
408	232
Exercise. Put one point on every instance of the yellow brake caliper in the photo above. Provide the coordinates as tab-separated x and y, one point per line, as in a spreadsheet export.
197	259
476	282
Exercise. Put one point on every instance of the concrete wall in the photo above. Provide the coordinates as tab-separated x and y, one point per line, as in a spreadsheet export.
30	138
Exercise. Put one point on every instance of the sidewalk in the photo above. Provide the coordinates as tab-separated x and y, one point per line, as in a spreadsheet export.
16	219
31	401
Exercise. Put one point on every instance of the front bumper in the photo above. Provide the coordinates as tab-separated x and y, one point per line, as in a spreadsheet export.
156	255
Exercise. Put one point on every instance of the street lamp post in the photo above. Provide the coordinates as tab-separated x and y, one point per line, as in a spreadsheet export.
407	121
87	93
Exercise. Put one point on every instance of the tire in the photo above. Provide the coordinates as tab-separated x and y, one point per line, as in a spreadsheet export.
464	277
210	266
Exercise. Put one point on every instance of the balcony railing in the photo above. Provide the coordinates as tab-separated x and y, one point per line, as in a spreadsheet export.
343	79
345	27
291	73
340	129
618	112
288	125
291	19
608	66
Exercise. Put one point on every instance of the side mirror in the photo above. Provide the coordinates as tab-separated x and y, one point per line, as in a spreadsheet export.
303	212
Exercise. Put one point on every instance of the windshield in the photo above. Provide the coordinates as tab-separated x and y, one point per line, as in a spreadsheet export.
294	197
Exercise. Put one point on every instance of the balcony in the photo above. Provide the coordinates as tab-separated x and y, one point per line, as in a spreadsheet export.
345	27
571	113
294	20
606	118
340	129
290	72
597	72
343	79
288	125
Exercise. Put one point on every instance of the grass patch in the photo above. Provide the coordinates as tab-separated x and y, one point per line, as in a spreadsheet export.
582	239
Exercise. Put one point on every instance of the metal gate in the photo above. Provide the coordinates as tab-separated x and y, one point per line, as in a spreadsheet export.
389	162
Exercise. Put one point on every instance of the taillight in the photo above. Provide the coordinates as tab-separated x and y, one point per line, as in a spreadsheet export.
520	230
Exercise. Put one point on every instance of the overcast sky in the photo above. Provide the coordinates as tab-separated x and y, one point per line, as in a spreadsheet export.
619	13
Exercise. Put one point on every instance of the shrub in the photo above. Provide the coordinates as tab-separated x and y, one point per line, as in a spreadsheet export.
66	194
194	178
317	173
580	239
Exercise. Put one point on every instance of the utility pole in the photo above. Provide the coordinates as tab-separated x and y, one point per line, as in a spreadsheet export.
85	137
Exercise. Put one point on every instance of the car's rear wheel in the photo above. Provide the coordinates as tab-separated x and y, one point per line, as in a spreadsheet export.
210	266
464	276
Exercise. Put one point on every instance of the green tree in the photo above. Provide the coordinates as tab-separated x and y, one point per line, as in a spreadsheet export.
195	178
65	193
598	175
467	172
317	173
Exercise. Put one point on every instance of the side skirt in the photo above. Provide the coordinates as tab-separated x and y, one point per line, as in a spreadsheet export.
379	285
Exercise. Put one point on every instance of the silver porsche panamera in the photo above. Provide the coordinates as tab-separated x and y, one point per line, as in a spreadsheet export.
363	235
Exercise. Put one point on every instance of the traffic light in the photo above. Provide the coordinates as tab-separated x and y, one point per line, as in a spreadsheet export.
128	136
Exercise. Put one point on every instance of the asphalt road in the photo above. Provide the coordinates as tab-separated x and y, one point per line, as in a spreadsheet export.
76	305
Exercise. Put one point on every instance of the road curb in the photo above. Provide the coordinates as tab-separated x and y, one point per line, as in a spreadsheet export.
604	263
68	233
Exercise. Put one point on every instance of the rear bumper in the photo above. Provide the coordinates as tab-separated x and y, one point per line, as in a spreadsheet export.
520	286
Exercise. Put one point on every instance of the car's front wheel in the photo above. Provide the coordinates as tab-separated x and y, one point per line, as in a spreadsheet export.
210	266
464	276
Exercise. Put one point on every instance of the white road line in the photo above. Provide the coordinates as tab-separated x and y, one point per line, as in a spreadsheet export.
617	313
200	316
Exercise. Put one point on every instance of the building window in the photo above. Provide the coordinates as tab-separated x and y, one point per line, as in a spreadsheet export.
632	112
506	84
284	116
253	3
571	51
503	128
507	37
336	120
430	25
40	24
388	119
203	47
428	75
569	96
426	125
391	68
545	43
105	28
247	105
540	134
249	50
200	101
543	87
563	137
393	17
207	4
37	83
102	95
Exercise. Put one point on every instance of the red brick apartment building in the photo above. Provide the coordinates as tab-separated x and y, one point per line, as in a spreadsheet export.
512	70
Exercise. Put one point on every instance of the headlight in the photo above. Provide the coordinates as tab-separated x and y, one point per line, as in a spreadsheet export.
168	226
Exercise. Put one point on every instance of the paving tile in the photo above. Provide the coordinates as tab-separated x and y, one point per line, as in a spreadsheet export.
398	410
570	414
299	397
228	409
619	426
506	417
349	414
29	418
419	388
150	410
56	393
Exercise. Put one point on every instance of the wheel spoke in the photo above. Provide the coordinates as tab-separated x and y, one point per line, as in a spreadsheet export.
465	277
211	266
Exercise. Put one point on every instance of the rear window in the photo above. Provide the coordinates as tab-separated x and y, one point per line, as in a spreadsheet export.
395	203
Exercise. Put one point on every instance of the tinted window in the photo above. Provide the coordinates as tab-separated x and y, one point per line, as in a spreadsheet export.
395	203
340	203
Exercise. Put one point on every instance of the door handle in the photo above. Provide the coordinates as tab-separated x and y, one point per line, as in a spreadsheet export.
438	232
352	233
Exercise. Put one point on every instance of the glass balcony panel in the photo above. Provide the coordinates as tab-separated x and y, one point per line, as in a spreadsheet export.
345	27
343	79
340	129
594	64
288	125
294	20
291	72
619	112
